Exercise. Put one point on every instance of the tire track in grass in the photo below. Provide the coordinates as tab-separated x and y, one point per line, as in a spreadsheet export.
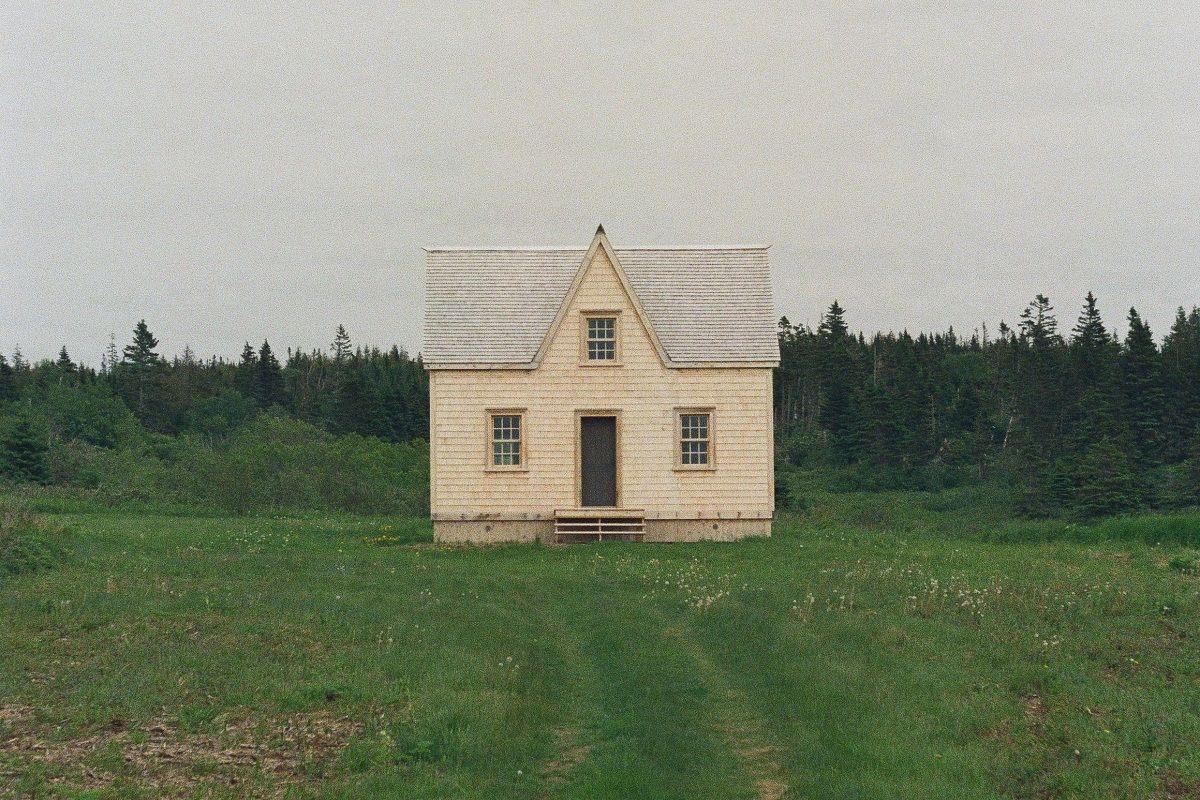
645	713
569	749
746	731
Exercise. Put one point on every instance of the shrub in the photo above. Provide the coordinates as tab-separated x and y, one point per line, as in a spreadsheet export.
27	541
280	463
783	490
88	413
23	453
806	446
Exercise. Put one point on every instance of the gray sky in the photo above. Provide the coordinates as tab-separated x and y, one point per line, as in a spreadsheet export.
235	175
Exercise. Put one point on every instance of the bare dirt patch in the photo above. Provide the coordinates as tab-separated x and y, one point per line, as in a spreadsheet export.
1172	787
758	760
252	755
1035	714
570	755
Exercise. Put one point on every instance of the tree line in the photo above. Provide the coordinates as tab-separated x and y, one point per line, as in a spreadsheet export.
1081	422
363	390
335	429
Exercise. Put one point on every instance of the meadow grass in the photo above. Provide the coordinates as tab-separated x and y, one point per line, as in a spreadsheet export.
884	653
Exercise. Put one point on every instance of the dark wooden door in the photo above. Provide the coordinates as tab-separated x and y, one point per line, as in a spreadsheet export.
598	461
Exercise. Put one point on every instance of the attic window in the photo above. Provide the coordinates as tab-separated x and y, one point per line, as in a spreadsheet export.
601	341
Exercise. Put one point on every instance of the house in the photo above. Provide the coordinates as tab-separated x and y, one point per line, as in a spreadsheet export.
578	394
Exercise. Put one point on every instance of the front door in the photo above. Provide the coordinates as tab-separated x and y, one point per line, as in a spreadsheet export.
598	461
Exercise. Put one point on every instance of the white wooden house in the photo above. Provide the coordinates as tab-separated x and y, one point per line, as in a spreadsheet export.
581	393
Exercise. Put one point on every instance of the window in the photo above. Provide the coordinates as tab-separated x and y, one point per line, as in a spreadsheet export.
601	343
695	439
507	440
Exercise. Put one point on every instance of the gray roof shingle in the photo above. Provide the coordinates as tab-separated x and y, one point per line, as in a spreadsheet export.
494	306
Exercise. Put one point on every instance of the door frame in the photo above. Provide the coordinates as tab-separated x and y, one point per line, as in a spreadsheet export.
580	413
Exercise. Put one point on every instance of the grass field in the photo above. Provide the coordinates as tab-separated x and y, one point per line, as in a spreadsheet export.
871	655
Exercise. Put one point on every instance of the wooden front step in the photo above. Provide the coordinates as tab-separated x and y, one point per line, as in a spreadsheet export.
579	525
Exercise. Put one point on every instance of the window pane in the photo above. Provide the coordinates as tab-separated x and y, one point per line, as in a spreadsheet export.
693	439
506	440
601	338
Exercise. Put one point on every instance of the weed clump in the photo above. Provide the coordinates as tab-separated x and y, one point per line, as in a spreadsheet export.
28	542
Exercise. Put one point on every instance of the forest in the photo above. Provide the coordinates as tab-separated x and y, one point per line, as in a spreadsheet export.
1076	423
1079	423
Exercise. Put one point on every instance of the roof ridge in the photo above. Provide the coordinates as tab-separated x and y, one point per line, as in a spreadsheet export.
663	248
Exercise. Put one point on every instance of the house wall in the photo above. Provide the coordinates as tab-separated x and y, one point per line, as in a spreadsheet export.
643	393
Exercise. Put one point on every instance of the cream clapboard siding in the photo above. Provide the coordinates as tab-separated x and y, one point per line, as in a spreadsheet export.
641	390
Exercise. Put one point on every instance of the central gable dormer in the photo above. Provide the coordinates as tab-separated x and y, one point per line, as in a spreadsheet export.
602	314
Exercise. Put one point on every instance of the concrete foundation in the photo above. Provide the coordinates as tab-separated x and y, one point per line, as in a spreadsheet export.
497	531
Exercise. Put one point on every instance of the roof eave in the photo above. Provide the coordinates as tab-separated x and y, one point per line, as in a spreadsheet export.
527	366
432	366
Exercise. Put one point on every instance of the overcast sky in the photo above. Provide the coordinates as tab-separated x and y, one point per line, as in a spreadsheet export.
234	174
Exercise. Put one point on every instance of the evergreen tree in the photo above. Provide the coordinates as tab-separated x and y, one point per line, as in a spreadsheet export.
268	378
140	373
341	344
1038	323
247	372
837	383
1093	352
1037	402
1089	335
1141	390
833	324
140	352
1181	384
19	363
1192	474
66	367
1105	482
8	382
109	360
111	351
23	454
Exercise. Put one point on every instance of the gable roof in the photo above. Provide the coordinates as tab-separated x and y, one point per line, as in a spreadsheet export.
496	308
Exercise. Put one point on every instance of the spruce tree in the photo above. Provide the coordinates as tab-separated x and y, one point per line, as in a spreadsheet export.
66	367
111	356
833	324
1037	401
1192	473
140	371
140	352
268	378
1141	390
1038	323
1105	482
837	383
23	454
246	374
1093	352
8	382
341	344
1181	384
